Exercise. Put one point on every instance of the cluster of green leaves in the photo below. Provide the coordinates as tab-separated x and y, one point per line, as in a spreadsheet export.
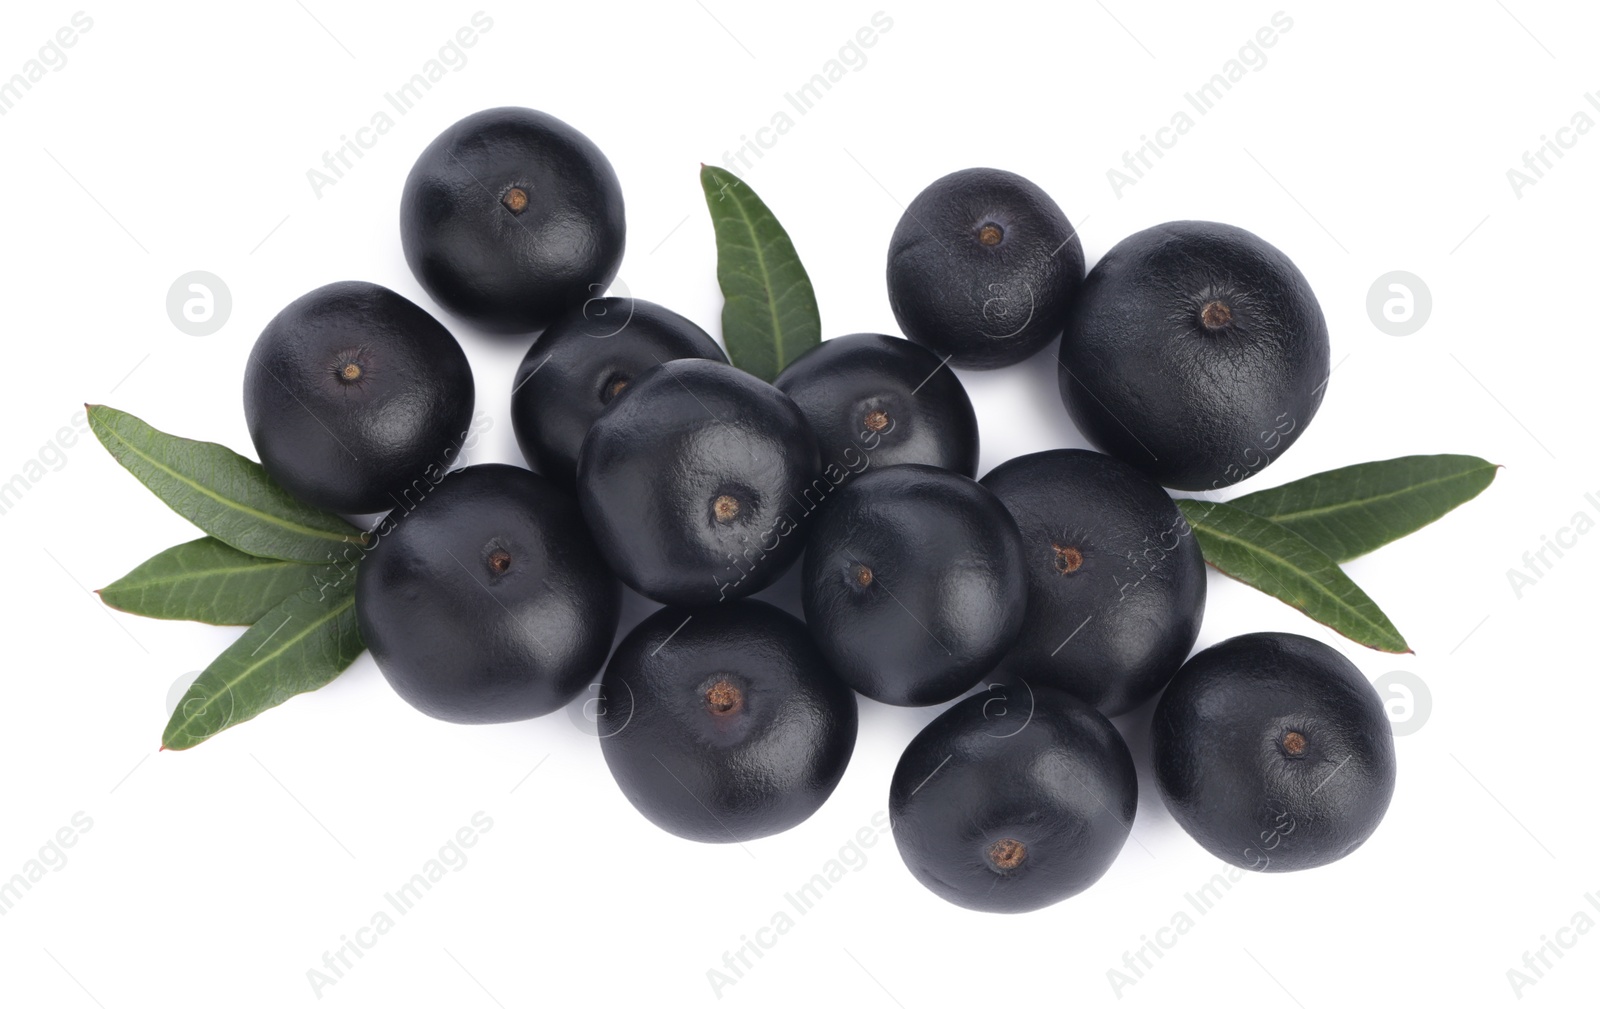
1289	541
267	560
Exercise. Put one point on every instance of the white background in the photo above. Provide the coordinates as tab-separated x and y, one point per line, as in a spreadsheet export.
1374	139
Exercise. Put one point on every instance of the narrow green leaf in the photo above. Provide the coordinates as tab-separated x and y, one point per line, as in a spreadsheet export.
769	311
299	645
1283	564
209	581
222	492
1353	510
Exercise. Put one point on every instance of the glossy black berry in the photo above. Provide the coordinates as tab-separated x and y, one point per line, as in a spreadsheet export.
982	268
1013	799
487	601
914	583
696	482
1195	352
511	218
1116	582
724	723
1274	752
581	363
877	400
354	396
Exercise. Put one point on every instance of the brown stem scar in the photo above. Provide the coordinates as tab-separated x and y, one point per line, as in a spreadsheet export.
723	698
515	200
1007	853
1068	559
1215	315
1294	743
726	508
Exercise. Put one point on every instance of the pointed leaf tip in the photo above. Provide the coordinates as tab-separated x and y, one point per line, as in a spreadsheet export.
769	312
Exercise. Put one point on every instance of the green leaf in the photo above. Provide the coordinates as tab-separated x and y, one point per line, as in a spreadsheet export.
299	645
209	581
222	492
769	311
1357	509
1283	564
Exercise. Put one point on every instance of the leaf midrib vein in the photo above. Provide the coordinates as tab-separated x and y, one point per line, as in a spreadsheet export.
288	643
219	499
1361	502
